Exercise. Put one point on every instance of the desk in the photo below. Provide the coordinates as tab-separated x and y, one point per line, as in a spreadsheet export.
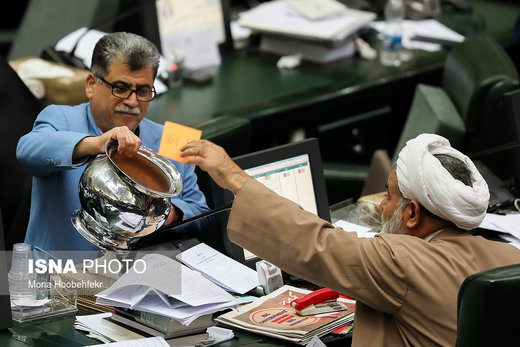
59	332
249	85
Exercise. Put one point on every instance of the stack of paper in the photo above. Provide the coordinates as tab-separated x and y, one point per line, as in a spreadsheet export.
273	315
101	329
167	288
277	17
99	326
288	31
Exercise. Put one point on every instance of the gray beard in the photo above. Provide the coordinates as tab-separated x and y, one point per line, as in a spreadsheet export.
395	224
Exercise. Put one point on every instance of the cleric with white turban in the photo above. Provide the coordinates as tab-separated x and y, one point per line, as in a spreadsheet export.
421	177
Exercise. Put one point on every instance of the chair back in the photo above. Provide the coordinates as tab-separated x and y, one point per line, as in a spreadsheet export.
487	308
18	111
477	73
433	112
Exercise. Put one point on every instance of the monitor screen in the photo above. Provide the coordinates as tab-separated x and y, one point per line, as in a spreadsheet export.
290	178
293	171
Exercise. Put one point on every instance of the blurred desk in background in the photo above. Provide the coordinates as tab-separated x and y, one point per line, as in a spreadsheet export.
249	85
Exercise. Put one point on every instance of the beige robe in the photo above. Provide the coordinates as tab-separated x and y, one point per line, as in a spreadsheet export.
406	288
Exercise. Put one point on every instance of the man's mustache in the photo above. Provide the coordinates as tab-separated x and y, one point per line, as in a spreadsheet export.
126	109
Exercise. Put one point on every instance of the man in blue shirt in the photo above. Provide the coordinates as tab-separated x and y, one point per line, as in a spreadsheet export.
64	138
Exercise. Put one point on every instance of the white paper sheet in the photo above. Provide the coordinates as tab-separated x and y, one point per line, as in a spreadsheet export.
428	28
146	342
219	334
276	17
315	342
199	47
219	268
507	224
359	229
166	279
96	324
169	277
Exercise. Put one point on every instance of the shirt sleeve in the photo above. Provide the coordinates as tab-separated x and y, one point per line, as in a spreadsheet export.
304	245
49	145
191	201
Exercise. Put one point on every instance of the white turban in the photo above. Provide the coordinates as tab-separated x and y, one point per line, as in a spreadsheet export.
422	177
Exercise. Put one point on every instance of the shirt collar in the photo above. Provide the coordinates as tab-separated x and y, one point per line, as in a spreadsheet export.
432	235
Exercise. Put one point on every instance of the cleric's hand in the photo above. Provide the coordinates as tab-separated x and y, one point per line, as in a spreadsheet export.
214	160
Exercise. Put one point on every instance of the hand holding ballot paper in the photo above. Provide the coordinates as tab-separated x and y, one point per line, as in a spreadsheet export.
174	137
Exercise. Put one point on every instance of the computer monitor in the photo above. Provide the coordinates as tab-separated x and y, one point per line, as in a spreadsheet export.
512	104
293	171
502	159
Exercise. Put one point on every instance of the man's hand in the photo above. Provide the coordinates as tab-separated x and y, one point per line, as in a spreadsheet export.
215	161
128	143
172	217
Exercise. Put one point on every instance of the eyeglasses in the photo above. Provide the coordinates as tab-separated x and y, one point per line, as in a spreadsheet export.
124	92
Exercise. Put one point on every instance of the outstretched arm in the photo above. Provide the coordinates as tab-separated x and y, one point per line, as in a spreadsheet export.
215	161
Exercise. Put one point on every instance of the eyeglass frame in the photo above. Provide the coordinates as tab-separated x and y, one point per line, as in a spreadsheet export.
154	92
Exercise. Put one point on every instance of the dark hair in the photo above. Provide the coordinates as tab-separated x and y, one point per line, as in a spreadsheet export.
135	51
456	167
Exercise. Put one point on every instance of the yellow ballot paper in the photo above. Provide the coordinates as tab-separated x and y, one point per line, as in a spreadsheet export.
175	136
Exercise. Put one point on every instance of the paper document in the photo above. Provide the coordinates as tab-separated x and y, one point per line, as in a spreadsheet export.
169	277
359	229
95	323
175	136
506	224
276	17
167	288
145	342
218	335
429	28
317	9
315	342
219	268
198	46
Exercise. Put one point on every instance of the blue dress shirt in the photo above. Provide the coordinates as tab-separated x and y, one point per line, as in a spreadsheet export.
46	152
